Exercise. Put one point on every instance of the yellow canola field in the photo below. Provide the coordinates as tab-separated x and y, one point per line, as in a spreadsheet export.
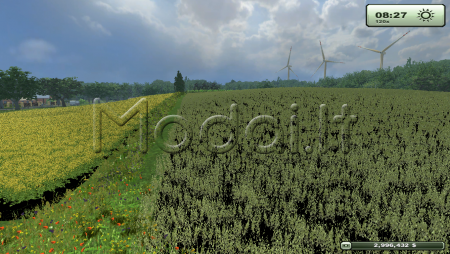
44	144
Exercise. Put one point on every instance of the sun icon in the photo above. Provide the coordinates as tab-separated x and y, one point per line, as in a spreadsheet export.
425	15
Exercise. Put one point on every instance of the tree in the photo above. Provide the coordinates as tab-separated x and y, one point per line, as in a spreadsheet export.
158	84
207	86
100	90
60	89
45	84
149	90
124	91
2	89
389	85
109	91
328	82
179	83
90	91
163	87
370	84
444	82
113	88
408	62
384	76
230	85
279	80
137	89
426	82
15	84
265	84
427	77
83	92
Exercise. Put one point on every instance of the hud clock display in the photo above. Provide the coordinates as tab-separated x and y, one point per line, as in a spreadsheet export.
405	15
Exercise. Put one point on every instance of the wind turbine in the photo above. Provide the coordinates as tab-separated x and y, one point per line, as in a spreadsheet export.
324	61
382	53
288	66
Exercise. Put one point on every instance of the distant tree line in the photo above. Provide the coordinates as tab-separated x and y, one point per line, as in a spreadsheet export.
427	76
207	86
15	84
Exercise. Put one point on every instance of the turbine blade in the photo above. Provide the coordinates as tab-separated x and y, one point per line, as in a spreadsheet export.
332	61
394	42
293	72
289	55
282	69
318	68
323	55
371	49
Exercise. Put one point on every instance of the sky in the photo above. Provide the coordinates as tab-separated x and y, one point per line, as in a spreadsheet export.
216	40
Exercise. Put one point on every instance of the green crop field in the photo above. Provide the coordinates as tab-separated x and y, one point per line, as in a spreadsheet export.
352	165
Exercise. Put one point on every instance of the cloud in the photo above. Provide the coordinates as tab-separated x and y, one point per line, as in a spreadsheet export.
212	14
93	25
143	7
41	51
34	50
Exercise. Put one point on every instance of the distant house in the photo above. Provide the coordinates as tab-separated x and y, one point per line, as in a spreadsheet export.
42	98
